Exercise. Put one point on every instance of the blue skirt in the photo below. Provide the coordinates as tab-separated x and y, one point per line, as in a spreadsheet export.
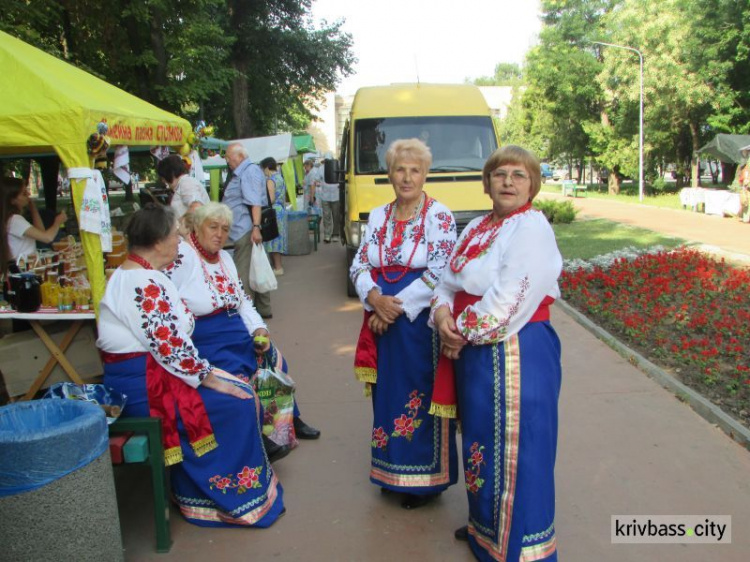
507	400
223	340
412	451
231	485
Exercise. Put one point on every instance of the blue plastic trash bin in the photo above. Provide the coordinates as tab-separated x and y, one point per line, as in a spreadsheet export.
57	492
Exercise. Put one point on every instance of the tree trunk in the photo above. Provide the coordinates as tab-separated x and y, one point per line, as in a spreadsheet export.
156	35
239	13
696	175
613	183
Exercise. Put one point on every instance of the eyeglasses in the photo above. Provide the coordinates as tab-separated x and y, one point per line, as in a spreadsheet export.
515	175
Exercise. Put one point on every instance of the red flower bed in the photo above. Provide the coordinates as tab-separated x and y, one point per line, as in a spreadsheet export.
685	311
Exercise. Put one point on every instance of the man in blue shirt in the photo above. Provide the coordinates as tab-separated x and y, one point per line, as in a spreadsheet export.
246	194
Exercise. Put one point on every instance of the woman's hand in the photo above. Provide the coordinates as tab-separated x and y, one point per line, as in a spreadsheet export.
215	382
261	340
387	308
377	325
451	340
61	218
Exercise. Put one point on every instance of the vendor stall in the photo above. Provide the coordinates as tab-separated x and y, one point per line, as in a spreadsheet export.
48	106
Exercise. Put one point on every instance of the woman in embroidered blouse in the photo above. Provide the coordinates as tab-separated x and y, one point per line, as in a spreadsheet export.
19	236
491	309
144	337
403	253
276	186
227	326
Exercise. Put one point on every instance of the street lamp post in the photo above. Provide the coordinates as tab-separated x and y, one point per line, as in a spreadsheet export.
640	114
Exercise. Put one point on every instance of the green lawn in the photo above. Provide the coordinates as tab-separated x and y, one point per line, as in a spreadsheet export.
628	194
590	238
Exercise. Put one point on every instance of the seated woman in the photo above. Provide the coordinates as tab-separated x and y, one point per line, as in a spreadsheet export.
19	236
226	324
144	336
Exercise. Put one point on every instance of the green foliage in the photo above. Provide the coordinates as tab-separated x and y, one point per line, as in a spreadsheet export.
249	67
506	74
557	212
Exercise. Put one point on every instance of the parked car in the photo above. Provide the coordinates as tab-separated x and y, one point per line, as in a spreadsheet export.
560	174
546	172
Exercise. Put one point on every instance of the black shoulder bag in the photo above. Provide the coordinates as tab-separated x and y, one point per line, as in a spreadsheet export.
269	227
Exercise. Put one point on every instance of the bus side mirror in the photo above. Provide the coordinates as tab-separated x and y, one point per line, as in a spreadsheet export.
332	171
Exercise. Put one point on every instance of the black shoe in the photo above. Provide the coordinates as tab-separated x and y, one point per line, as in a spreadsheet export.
327	241
412	501
266	316
274	451
462	533
304	431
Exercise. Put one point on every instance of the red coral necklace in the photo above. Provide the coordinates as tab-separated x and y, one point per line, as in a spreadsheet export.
210	257
398	235
140	261
480	237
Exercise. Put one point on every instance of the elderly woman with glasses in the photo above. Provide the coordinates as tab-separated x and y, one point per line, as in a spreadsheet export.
220	473
402	256
500	365
229	332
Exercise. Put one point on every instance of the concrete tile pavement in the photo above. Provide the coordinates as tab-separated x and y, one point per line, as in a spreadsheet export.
626	446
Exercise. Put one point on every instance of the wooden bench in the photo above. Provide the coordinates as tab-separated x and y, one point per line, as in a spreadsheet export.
569	187
121	431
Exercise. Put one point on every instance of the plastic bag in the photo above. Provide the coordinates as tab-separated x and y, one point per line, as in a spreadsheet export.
111	401
261	276
275	389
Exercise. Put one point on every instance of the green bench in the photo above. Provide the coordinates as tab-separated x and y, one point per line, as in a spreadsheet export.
569	187
151	428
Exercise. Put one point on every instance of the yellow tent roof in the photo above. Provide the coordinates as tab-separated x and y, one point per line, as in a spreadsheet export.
49	105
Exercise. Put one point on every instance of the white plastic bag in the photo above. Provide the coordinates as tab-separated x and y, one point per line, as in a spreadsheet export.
261	276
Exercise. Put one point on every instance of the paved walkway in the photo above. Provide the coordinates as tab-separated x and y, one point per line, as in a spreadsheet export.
725	236
626	446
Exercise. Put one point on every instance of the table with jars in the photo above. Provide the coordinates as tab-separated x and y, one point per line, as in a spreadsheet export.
52	293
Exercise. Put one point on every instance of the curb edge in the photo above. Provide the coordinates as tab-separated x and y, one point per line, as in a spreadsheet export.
702	406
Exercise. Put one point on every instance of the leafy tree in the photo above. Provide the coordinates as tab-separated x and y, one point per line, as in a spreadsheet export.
506	74
561	77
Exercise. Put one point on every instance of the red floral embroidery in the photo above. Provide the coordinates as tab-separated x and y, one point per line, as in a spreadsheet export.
160	325
162	333
245	480
152	291
405	425
474	462
379	438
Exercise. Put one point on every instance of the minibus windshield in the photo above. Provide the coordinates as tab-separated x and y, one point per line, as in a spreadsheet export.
458	144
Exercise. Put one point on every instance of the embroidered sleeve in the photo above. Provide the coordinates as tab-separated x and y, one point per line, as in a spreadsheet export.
157	324
530	268
361	268
440	238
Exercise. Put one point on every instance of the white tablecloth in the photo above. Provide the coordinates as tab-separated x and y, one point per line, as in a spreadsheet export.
716	201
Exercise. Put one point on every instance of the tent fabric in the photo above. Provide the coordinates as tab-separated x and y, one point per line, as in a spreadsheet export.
727	148
304	144
48	105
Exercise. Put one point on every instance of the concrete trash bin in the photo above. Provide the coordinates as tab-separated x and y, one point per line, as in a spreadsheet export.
298	234
57	491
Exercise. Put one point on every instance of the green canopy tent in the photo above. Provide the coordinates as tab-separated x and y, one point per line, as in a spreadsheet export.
726	148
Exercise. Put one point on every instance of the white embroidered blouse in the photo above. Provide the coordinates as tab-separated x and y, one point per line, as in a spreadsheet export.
431	252
206	287
513	275
142	312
